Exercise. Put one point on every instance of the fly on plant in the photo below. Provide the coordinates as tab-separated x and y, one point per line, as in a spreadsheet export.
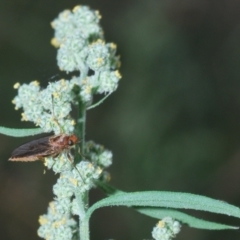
40	148
50	146
44	147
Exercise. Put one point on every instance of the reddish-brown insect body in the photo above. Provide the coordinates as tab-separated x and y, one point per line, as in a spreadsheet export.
40	148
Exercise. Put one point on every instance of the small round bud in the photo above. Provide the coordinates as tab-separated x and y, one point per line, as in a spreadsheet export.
166	229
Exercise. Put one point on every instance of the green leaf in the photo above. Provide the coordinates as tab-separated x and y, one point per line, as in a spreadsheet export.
183	217
98	103
167	200
160	213
15	132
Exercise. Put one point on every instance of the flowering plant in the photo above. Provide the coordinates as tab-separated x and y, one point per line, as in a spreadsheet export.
81	48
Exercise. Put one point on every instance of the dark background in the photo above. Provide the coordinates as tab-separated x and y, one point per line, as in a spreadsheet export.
173	124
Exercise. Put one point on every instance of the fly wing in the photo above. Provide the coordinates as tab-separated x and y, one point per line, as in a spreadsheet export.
33	150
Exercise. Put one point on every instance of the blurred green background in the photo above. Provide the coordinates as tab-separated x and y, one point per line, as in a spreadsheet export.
172	125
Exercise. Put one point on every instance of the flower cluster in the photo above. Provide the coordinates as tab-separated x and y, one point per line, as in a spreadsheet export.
48	108
97	154
80	179
81	47
166	229
81	20
72	181
57	224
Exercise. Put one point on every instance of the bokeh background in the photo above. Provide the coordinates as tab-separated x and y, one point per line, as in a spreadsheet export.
173	124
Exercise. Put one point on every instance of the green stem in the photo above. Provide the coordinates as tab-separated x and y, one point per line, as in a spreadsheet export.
81	128
84	230
82	198
80	131
83	221
98	103
82	110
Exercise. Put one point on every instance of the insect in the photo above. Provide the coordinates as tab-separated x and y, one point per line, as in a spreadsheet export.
50	146
38	149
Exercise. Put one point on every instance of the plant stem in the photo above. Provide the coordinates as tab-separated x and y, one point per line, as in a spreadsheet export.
82	198
84	230
81	127
82	111
83	222
98	103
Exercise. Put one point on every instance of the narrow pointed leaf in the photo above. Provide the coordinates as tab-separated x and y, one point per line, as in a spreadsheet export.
160	213
167	200
183	217
15	132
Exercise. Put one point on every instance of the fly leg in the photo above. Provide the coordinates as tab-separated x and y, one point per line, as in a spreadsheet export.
72	162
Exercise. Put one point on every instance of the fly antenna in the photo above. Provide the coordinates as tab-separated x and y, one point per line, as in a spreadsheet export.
79	152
